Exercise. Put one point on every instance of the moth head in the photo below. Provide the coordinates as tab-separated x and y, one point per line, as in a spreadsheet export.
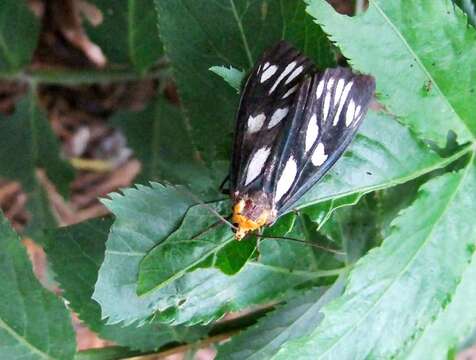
251	212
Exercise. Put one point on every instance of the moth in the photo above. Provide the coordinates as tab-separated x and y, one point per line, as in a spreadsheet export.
292	125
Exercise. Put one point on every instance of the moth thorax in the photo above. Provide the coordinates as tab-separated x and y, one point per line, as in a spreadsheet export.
251	212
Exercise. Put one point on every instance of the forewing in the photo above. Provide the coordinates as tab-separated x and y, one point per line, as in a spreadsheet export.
326	115
264	109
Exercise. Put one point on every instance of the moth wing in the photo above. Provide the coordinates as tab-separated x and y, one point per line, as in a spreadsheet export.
328	110
266	101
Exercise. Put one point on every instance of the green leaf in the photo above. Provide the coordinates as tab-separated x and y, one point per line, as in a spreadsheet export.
19	30
402	286
144	217
300	30
161	140
453	325
418	72
233	256
76	253
469	7
372	162
130	240
232	76
355	228
285	254
106	353
321	212
383	154
34	323
199	236
199	34
205	295
27	135
295	319
128	33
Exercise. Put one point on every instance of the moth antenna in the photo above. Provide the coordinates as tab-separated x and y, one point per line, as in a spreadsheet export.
206	206
334	251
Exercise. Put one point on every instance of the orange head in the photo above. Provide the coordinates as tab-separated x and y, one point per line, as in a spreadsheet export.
251	213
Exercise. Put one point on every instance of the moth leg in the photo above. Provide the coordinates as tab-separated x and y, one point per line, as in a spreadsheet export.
222	186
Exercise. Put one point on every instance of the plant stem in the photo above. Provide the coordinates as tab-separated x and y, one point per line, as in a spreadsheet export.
65	76
223	330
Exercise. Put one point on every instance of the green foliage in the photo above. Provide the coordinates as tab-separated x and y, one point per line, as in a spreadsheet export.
191	298
115	288
201	34
453	325
373	301
161	140
128	33
469	7
34	323
418	72
374	154
19	30
27	136
299	29
392	271
299	316
76	253
232	76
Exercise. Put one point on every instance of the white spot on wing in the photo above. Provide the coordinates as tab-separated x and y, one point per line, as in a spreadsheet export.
349	115
268	73
278	115
286	71
327	100
294	74
312	132
342	101
320	89
266	65
286	179
256	164
290	91
318	157
339	89
255	123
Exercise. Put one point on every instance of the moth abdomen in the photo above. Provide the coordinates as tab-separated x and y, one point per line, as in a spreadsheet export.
251	211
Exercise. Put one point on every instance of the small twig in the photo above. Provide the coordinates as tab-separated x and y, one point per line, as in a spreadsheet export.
65	76
223	330
183	348
94	165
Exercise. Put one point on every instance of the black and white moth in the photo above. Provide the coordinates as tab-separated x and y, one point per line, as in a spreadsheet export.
293	123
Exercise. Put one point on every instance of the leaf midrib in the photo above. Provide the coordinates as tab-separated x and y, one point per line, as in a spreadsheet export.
22	340
421	65
409	262
242	33
394	181
184	270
